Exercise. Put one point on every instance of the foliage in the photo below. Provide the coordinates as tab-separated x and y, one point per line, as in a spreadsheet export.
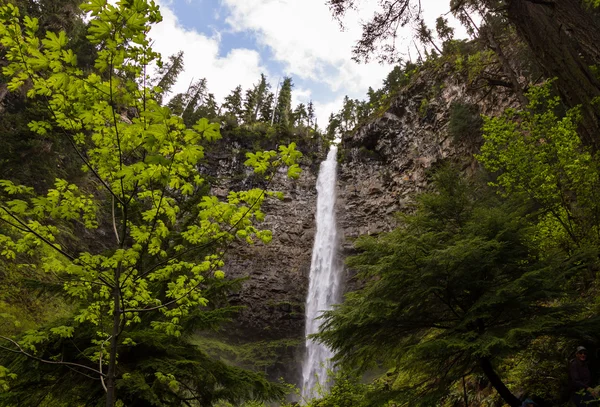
539	155
259	355
465	122
170	235
283	106
158	369
346	391
592	3
453	289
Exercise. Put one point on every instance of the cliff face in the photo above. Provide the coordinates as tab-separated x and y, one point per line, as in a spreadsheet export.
277	273
269	331
384	163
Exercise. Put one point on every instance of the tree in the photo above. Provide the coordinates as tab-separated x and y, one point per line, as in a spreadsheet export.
333	127
283	108
169	235
233	103
168	74
300	115
443	30
561	34
348	114
425	35
266	110
158	369
452	290
310	113
538	155
255	99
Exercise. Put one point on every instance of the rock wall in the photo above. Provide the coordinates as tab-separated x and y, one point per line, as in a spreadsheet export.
277	273
271	324
384	163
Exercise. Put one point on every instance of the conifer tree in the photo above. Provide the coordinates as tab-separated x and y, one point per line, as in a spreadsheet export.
283	109
250	105
310	113
196	95
255	98
266	110
443	30
300	115
168	74
233	103
452	290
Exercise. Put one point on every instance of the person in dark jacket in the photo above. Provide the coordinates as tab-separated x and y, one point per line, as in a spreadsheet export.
529	403
580	380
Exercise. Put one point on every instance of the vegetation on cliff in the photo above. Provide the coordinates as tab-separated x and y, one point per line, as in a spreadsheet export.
112	244
112	255
441	305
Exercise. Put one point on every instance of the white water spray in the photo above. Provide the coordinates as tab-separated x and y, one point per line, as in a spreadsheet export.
324	284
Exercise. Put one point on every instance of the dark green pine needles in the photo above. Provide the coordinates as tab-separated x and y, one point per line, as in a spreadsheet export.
451	291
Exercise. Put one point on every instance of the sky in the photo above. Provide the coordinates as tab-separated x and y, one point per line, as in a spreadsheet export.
231	42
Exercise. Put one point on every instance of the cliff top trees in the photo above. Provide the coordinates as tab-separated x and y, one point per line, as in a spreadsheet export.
283	107
167	234
562	35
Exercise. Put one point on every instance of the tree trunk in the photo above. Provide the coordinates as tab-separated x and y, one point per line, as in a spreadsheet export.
111	391
565	40
497	383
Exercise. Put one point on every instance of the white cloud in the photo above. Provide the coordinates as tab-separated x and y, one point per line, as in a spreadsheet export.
202	59
301	35
307	40
323	110
304	37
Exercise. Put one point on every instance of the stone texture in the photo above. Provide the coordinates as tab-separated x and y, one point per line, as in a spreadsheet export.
382	166
386	162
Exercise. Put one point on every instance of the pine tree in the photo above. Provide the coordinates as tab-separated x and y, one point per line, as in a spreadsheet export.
310	113
451	291
443	30
333	128
196	95
300	115
255	98
348	114
266	110
168	74
233	103
283	109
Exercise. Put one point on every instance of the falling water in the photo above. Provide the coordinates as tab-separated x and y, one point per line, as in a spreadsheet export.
323	290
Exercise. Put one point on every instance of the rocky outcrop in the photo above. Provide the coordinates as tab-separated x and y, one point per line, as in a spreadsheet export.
270	325
384	163
382	166
275	291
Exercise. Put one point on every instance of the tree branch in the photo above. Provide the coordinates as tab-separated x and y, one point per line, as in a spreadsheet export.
51	362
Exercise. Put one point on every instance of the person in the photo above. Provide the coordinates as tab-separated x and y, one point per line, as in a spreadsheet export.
580	380
529	403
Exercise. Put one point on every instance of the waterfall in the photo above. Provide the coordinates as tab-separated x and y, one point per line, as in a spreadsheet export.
324	283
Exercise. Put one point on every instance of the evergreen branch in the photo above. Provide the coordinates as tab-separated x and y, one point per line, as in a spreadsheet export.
51	362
